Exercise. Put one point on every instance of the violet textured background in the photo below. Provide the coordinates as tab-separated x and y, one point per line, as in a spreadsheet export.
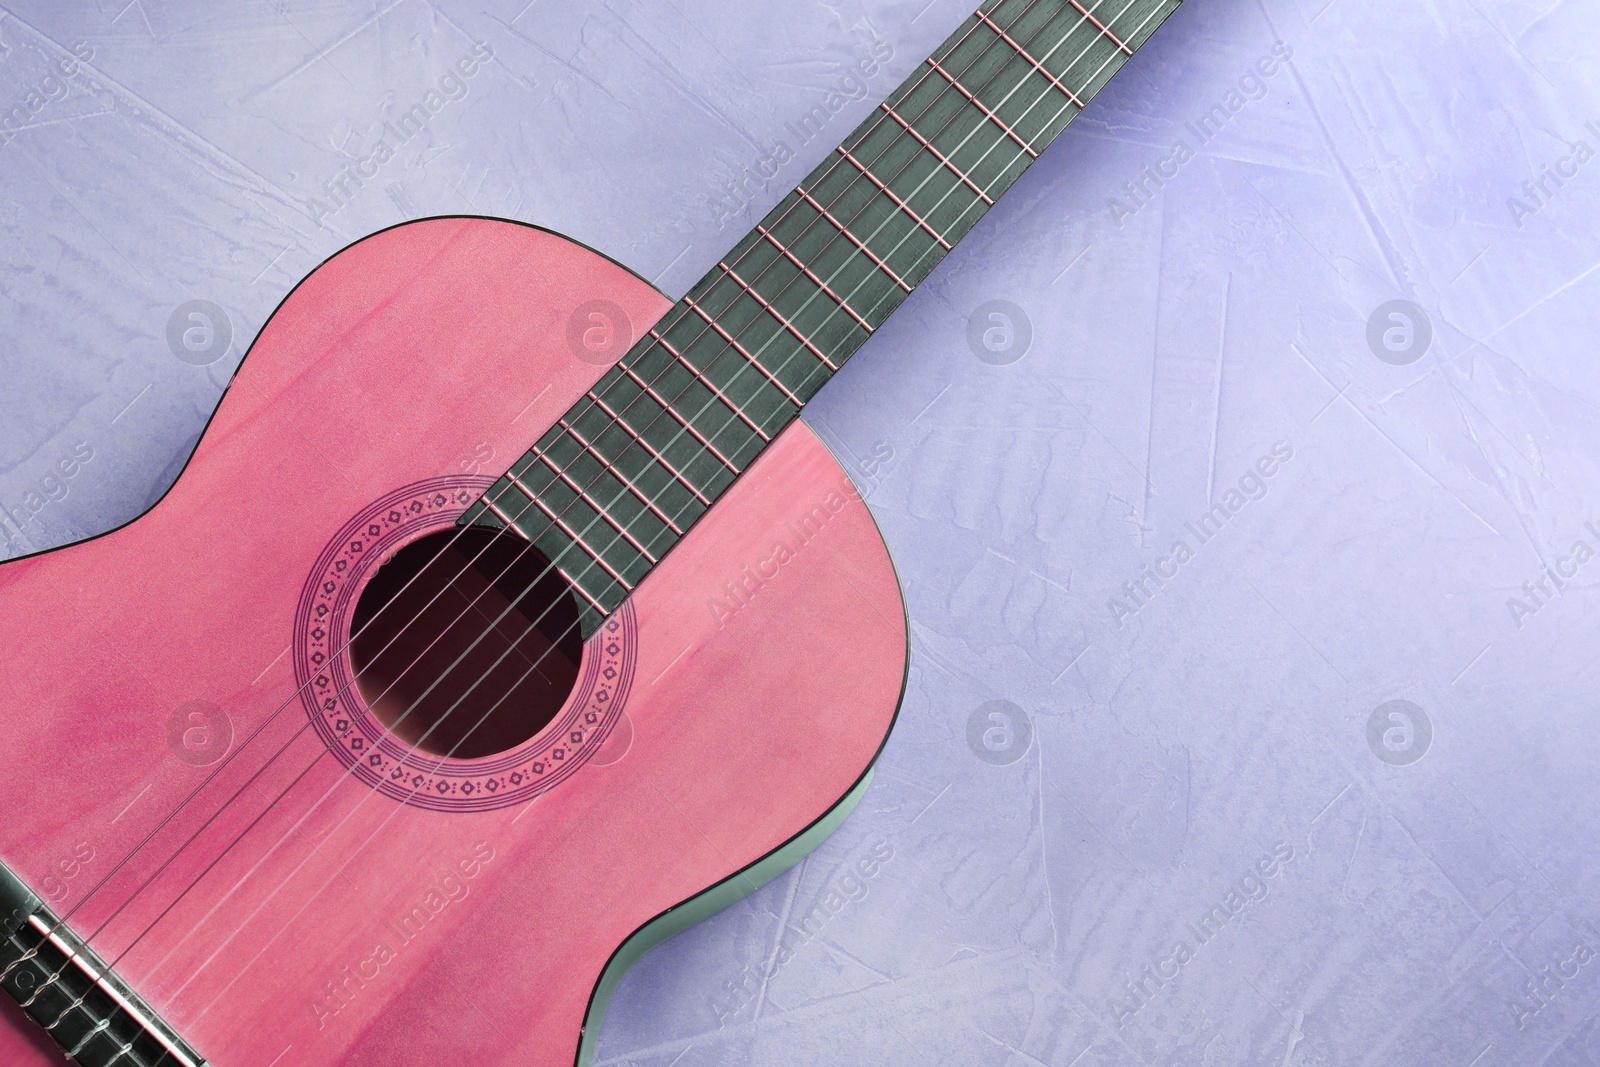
1158	751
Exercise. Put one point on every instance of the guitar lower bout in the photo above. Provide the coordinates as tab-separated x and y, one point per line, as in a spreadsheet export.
316	883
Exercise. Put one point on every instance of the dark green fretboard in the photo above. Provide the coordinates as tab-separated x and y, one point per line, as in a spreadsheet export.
626	472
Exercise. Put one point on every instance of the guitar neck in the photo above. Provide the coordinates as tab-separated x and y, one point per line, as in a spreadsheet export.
629	469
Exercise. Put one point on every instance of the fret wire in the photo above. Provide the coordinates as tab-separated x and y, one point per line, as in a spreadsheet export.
975	102
643	498
1006	37
1072	97
818	282
749	287
572	534
678	475
1084	51
844	230
852	238
979	19
581	591
505	519
1097	25
578	541
1106	33
901	204
1155	10
617	417
775	313
1054	81
736	346
860	135
923	141
681	421
581	495
907	127
811	275
709	384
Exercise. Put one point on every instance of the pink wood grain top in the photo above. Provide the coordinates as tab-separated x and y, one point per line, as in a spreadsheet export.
411	350
22	1042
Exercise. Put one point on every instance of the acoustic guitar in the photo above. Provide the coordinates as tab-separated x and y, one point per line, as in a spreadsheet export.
359	748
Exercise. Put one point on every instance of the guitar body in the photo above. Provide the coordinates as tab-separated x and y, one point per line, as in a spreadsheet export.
303	890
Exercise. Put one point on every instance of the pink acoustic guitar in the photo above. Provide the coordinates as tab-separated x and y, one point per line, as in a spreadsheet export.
347	729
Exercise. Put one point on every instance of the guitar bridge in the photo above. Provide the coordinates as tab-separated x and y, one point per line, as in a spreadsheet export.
61	984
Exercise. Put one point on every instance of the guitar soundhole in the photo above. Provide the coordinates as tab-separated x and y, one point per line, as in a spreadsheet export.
466	643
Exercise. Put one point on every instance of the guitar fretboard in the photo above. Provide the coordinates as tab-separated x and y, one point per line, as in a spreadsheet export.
627	471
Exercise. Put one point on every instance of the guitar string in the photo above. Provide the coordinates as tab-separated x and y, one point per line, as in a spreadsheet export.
530	669
239	749
1030	5
530	504
947	52
362	847
497	703
381	826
